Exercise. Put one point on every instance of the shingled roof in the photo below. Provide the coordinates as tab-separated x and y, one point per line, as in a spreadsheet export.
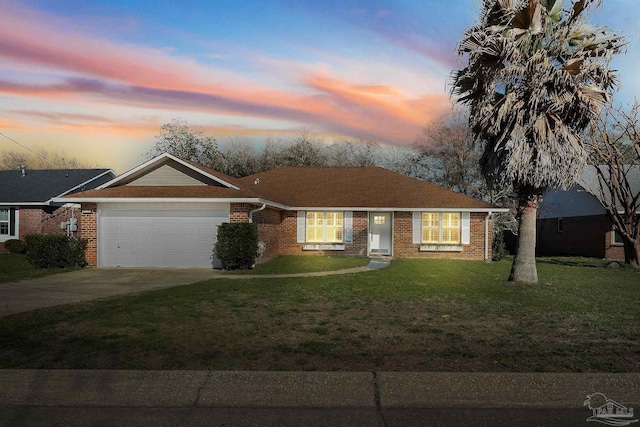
298	187
40	186
344	187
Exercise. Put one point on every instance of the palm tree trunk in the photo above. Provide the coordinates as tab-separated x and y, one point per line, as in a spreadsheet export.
523	268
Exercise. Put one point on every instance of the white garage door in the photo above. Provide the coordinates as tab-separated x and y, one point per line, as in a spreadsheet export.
159	234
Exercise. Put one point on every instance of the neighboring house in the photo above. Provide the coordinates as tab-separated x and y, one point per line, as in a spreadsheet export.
165	213
573	222
26	199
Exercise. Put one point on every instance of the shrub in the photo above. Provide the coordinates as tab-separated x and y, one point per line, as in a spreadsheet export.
498	247
237	245
15	246
55	251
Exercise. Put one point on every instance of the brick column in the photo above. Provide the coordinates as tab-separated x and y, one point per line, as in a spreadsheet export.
239	212
88	229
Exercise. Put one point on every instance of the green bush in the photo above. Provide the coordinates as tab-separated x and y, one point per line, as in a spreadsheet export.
498	248
237	245
55	251
15	246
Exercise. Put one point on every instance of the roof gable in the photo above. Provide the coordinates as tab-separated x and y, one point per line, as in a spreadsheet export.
40	186
168	170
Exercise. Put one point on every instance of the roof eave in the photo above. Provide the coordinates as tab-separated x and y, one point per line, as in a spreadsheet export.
397	209
158	159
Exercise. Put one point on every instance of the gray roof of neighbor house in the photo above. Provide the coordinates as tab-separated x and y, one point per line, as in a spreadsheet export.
40	186
583	198
589	181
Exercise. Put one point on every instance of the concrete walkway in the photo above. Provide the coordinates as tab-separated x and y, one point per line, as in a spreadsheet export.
93	283
216	398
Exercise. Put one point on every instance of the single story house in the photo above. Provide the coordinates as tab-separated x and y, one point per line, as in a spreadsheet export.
573	222
27	196
165	213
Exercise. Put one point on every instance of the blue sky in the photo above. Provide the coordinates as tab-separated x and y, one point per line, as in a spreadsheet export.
97	79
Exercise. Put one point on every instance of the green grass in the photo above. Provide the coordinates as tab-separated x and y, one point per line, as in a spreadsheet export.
14	267
304	264
416	315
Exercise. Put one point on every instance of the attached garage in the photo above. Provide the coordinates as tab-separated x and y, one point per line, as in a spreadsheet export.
159	234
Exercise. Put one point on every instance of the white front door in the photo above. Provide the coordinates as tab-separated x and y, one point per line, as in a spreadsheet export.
380	233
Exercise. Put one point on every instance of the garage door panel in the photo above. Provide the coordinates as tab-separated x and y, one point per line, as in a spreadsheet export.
159	238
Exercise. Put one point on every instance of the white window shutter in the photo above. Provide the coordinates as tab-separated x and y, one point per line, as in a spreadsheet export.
417	228
348	227
302	219
466	228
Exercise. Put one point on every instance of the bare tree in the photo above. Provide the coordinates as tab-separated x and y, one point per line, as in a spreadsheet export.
614	150
448	150
305	150
42	159
353	152
238	157
186	141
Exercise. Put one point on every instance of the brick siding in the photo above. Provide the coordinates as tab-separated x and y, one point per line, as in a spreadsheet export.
40	220
88	229
269	220
402	238
277	229
403	246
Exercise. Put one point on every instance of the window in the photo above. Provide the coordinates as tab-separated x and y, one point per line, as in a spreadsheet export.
616	238
441	227
430	227
379	219
4	222
560	225
325	227
8	224
451	227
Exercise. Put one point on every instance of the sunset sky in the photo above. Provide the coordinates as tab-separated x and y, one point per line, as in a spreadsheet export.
97	79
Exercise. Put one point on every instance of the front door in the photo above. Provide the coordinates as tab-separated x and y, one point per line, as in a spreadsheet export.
380	233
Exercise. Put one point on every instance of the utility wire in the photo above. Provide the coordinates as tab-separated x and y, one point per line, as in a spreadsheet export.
34	152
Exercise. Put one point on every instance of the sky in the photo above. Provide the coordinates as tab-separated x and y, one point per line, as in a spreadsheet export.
97	79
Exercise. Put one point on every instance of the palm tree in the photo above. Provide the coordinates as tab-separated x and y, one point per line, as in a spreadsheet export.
536	78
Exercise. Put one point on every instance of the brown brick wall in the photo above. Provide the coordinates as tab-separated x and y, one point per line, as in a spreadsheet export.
39	220
588	236
88	229
403	246
239	212
402	238
268	221
289	235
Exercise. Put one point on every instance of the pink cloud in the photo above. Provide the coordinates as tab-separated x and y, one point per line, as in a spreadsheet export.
121	74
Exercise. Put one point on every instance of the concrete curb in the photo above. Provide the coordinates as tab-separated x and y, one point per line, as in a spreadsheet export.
367	390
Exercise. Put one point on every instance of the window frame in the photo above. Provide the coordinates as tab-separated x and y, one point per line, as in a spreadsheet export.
325	226
16	222
6	221
424	229
615	233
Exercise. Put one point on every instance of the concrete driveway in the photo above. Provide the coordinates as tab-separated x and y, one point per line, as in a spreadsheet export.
92	283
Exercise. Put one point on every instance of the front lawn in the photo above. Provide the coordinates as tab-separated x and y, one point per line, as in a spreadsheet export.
15	267
304	264
416	315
